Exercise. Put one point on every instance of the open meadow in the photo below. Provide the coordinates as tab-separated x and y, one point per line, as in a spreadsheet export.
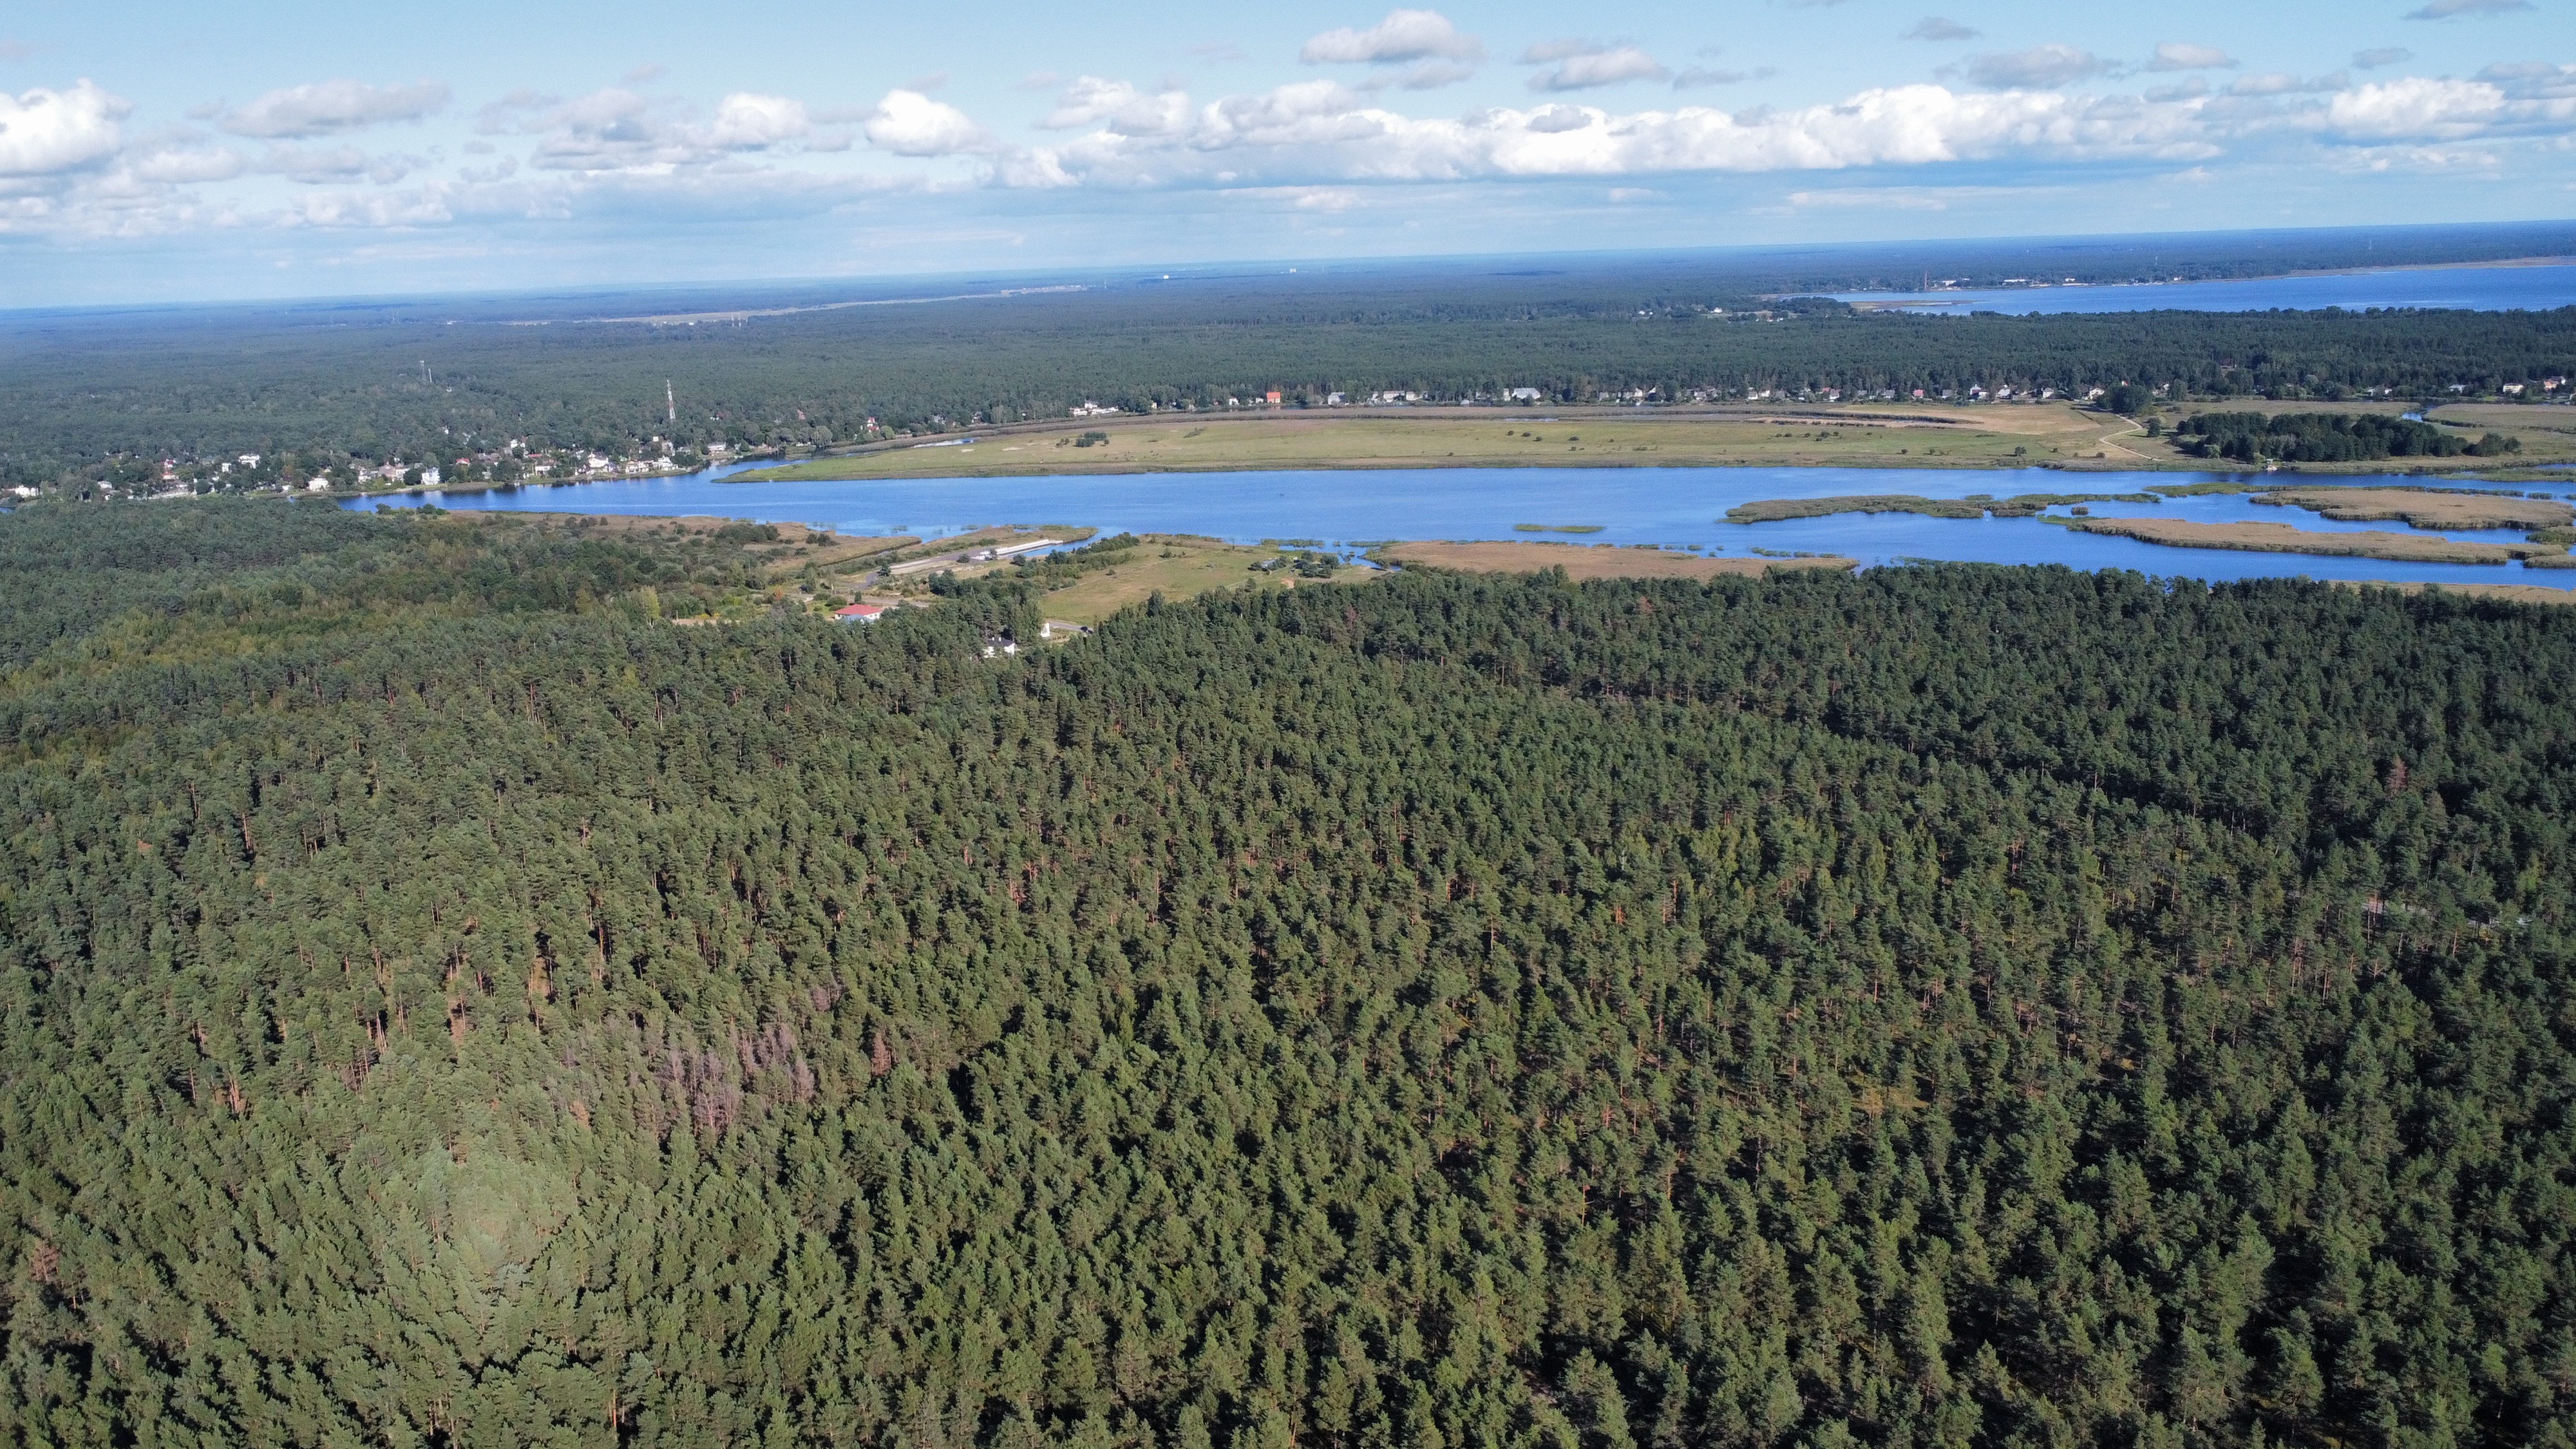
1821	436
1918	435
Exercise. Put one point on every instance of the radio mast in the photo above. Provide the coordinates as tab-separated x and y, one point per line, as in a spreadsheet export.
670	400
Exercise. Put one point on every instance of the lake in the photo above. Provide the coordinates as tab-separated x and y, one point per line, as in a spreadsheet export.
2482	289
1673	506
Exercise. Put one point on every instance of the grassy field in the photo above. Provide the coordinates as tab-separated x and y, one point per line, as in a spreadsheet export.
1177	566
1591	561
2282	538
1918	435
1935	436
2510	593
2422	509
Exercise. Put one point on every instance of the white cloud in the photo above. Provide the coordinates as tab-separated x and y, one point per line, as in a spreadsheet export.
1607	66
2451	9
1317	132
2532	79
747	121
1934	27
1698	76
2413	107
618	130
184	165
1875	198
427	206
1431	75
332	107
603	131
47	132
1404	35
616	153
2178	55
2039	67
333	165
1547	51
2277	83
1125	110
909	123
2383	55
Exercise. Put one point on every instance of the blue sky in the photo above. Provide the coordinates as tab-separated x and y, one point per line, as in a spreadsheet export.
167	152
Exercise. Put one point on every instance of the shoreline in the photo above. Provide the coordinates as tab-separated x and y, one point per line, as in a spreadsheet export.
1970	293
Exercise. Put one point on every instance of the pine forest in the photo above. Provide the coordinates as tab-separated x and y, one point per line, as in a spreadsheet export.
444	1003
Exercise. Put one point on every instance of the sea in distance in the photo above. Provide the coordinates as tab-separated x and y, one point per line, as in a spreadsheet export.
1673	507
2470	288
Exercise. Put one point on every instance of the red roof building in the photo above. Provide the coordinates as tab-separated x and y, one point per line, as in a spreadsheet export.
858	613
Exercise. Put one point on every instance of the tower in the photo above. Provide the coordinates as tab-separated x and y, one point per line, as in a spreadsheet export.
670	401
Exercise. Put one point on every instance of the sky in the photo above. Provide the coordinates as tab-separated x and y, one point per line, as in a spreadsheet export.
155	151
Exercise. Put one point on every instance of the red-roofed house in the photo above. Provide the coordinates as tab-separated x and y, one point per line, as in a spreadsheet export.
858	613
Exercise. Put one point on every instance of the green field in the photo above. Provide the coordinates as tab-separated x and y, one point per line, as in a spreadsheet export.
1822	436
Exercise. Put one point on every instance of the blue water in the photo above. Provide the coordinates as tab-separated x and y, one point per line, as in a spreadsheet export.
1669	506
2483	289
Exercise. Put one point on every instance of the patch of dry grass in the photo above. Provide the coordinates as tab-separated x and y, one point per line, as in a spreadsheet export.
2282	538
2421	508
1591	561
1923	435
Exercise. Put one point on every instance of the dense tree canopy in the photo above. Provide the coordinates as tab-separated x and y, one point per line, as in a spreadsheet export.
2315	437
442	1004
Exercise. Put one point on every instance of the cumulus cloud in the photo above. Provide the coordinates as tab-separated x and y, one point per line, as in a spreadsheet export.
2452	9
747	121
1121	107
332	107
2177	55
1404	35
909	123
181	164
617	130
2416	108
1934	27
2039	67
48	132
1582	65
1332	139
1318	133
2382	55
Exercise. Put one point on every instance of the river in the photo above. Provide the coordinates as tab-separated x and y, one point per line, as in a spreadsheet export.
1672	506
